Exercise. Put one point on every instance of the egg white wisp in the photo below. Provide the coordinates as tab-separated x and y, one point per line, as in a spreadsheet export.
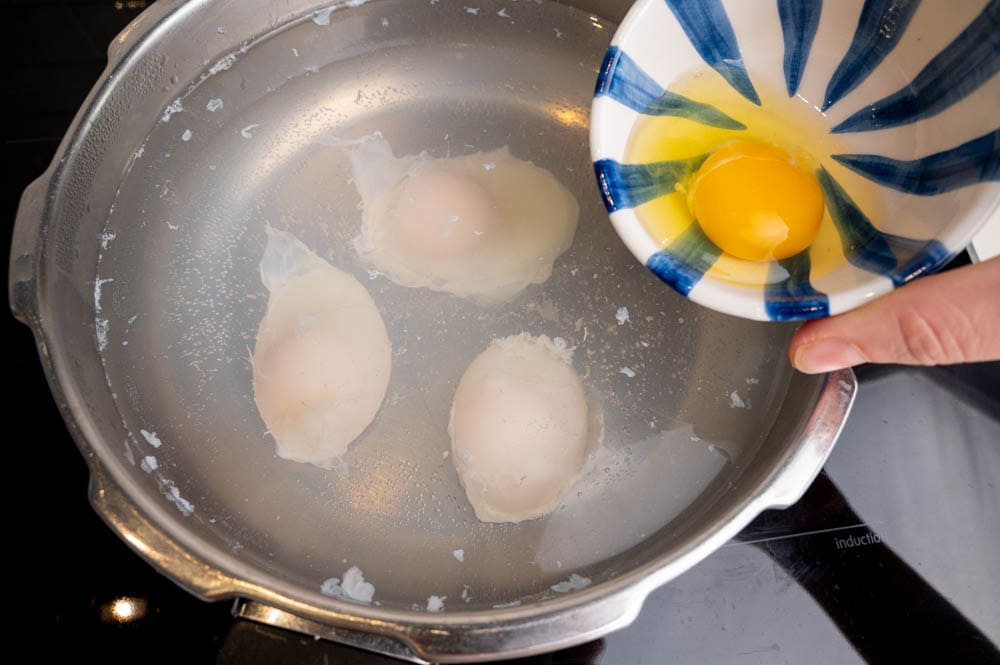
322	358
482	226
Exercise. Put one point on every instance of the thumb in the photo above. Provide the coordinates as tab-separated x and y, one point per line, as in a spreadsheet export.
948	318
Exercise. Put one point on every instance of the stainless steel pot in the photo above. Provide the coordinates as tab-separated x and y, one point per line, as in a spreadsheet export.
134	262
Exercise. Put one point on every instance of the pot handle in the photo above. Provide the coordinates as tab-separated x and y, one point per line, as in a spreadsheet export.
272	616
152	544
24	260
137	28
457	643
820	432
148	540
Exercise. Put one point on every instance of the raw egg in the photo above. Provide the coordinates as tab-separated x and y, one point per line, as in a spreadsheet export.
756	202
753	188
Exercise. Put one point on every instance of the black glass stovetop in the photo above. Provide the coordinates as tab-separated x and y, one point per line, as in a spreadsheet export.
892	556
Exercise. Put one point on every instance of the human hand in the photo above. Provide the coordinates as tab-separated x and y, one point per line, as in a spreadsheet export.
953	317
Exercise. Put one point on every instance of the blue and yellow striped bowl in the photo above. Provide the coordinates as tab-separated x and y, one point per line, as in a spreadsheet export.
911	87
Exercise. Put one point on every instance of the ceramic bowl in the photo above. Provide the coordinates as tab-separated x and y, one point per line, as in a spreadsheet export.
900	101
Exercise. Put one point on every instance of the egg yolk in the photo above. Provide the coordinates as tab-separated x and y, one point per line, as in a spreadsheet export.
755	202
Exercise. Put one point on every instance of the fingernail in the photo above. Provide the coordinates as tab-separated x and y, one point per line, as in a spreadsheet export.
827	356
